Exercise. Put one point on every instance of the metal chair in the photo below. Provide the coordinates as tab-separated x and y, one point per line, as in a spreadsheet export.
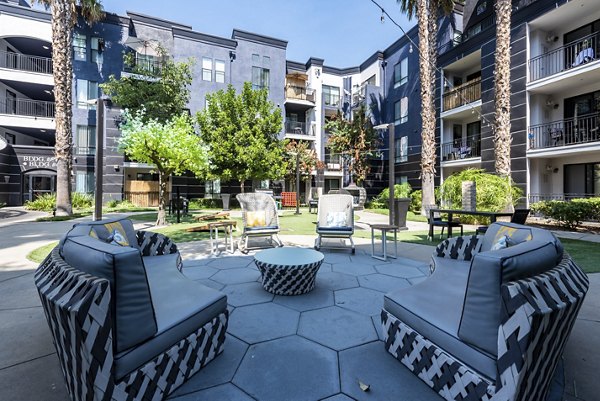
253	203
329	225
438	222
518	217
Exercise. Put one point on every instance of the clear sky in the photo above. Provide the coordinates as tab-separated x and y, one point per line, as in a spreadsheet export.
343	32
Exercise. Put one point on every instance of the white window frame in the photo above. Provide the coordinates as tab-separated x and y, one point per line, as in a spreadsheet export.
401	72
90	90
220	71
207	67
97	56
85	142
79	51
87	186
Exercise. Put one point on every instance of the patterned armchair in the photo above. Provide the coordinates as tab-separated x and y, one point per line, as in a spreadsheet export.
260	219
335	218
488	324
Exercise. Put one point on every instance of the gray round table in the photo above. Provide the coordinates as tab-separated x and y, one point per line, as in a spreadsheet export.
288	271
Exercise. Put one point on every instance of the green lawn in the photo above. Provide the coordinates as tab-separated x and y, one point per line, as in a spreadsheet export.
37	255
410	216
77	213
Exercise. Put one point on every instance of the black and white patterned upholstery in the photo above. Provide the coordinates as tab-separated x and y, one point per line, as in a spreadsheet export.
461	248
153	244
538	314
78	310
288	279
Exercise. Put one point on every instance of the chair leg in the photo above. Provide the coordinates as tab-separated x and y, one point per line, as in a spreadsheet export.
278	240
352	244
461	231
442	234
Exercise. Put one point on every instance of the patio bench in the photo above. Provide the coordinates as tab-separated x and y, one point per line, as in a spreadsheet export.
127	324
491	321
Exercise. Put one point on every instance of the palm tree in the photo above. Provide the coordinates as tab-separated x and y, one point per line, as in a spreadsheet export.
64	18
427	13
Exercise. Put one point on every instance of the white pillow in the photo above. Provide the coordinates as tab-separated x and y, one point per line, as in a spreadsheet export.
501	243
336	219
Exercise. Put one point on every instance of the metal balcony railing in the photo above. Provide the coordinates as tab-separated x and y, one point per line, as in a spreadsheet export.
466	93
299	93
463	149
535	197
297	128
333	161
570	131
143	64
564	58
27	107
24	62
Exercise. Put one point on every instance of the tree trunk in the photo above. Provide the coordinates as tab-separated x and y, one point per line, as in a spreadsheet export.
427	53
163	199
62	63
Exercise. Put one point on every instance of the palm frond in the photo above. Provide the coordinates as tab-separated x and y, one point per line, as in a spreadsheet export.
91	10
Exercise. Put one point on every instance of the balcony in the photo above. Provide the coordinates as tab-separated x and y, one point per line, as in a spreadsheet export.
571	131
462	95
27	113
565	58
468	148
24	68
333	161
293	92
142	65
297	129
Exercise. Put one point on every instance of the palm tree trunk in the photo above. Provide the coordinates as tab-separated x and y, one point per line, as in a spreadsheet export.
163	198
62	34
502	137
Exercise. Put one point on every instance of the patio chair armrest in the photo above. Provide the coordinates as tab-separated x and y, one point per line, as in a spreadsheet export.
154	244
460	248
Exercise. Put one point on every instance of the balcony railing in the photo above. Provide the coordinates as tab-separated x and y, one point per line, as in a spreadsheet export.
565	58
297	128
466	93
299	93
534	197
463	149
27	107
142	65
570	131
331	100
333	161
24	62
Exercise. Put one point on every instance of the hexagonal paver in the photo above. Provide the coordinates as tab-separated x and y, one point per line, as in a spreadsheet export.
416	280
337	328
382	282
339	397
219	371
320	297
230	262
356	269
224	392
378	327
212	284
290	368
256	323
335	255
246	294
199	272
365	259
398	270
237	275
336	281
387	377
325	267
361	300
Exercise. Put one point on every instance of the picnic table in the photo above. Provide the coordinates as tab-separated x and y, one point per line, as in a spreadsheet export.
451	212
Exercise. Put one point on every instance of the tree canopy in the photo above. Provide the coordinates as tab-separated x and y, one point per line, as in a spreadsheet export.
308	159
242	132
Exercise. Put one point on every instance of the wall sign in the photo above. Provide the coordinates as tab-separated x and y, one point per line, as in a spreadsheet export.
30	162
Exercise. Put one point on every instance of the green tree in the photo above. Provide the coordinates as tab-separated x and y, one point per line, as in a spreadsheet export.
64	18
356	138
172	146
242	132
163	91
308	159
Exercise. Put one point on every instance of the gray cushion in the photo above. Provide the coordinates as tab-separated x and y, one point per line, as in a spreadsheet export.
481	312
133	316
100	227
76	231
182	306
433	308
517	232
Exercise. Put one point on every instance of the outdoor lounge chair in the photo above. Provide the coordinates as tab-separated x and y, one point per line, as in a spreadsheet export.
492	320
335	218
259	215
438	222
126	323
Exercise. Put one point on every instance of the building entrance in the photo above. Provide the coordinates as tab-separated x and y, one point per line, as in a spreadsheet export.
38	183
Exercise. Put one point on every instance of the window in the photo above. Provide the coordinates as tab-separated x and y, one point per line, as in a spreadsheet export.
206	69
84	182
85	140
401	179
79	47
481	8
146	177
331	95
266	61
260	78
401	73
371	81
212	188
401	149
86	90
97	48
401	111
255	59
219	71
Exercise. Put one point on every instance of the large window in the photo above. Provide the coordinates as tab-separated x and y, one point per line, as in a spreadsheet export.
219	71
401	111
401	149
260	78
97	46
85	140
582	179
331	95
84	182
401	73
86	91
212	189
206	69
79	47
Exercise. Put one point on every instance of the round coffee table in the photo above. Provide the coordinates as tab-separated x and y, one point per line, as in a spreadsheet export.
288	271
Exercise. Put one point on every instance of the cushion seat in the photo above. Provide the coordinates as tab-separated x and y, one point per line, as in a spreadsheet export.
262	228
434	309
181	307
344	229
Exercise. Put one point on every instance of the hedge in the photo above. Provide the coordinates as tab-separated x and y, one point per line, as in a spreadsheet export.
569	214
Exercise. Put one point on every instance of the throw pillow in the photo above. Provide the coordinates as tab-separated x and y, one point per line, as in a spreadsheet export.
257	218
515	235
500	243
118	227
336	219
116	238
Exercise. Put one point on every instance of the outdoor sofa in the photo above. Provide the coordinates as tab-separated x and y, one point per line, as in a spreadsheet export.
488	324
127	324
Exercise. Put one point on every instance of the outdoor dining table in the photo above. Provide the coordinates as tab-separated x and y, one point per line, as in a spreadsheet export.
451	212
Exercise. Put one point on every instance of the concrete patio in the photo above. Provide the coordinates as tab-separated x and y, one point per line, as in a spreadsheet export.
311	347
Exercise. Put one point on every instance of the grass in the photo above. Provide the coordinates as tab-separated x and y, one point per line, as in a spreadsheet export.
37	255
585	254
410	215
77	213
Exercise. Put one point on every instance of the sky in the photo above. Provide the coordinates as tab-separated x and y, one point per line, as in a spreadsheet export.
344	33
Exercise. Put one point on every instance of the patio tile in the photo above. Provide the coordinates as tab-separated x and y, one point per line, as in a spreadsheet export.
290	368
336	281
230	262
336	256
325	267
382	282
246	294
199	272
365	258
354	268
416	280
337	328
339	397
377	324
263	322
218	371
361	300
387	377
212	284
224	392
19	292
320	297
236	276
38	380
399	270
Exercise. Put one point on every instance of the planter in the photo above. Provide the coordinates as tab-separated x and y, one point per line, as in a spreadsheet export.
225	198
401	206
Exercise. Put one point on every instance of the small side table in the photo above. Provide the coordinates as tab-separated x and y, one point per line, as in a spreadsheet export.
385	228
313	204
213	228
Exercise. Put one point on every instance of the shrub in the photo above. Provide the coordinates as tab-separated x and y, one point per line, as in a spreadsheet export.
381	201
112	203
569	214
43	203
207	203
2	204
416	198
81	200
